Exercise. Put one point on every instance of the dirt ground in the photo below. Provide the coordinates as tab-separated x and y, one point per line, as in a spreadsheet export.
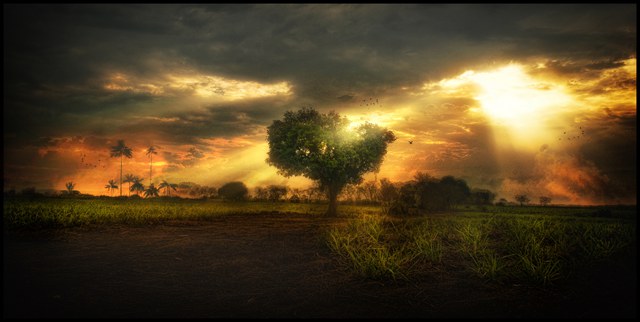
263	266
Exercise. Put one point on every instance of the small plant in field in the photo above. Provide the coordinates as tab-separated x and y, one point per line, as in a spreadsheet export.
429	247
604	240
472	239
539	270
362	247
488	264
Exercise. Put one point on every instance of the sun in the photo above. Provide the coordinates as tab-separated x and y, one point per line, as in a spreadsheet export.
519	106
511	97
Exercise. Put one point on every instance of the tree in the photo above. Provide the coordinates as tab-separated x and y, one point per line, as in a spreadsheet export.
235	191
150	152
121	150
276	192
167	187
295	195
349	193
151	192
323	148
455	191
424	193
522	199
388	193
261	193
482	197
137	185
70	185
129	178
545	200
371	191
111	185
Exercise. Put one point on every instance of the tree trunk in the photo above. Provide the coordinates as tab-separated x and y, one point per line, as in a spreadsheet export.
120	176
150	164
333	201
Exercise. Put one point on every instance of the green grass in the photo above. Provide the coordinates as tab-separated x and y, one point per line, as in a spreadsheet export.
511	244
525	247
66	213
363	247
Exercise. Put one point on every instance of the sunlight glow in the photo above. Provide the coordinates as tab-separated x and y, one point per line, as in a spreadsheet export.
383	120
510	96
518	105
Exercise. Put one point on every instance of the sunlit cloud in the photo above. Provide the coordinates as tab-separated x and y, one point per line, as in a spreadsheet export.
204	86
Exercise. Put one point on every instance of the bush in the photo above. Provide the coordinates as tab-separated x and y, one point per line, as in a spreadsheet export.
429	194
234	191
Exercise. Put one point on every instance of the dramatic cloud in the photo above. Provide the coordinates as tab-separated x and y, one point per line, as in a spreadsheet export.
477	89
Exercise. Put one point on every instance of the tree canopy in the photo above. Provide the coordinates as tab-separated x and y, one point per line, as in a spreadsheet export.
323	147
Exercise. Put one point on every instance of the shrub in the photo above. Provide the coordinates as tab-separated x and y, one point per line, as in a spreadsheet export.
234	191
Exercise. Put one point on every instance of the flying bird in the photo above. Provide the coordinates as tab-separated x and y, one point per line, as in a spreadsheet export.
410	142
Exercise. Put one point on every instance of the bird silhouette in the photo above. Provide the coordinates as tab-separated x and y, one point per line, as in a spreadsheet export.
410	142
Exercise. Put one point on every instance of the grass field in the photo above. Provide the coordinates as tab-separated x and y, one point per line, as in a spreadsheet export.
532	245
529	245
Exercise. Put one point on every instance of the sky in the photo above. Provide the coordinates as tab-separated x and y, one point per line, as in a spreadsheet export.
535	99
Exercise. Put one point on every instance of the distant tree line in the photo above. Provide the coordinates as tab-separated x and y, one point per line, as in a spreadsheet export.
423	194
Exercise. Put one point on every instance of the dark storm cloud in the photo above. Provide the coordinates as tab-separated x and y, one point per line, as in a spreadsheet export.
322	49
612	147
216	121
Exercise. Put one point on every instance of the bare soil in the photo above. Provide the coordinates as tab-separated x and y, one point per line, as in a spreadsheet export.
265	266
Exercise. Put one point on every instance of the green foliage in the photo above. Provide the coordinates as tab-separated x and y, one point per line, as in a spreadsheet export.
323	148
234	191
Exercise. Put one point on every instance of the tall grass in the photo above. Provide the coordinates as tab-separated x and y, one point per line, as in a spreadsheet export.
363	247
427	241
518	248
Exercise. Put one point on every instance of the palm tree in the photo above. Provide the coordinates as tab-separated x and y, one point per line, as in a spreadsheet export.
70	185
111	186
151	191
121	150
168	186
150	152
137	185
129	178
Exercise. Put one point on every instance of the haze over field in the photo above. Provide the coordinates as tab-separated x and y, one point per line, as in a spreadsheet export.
535	99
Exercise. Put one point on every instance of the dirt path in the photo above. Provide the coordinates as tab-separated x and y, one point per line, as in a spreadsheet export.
269	265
